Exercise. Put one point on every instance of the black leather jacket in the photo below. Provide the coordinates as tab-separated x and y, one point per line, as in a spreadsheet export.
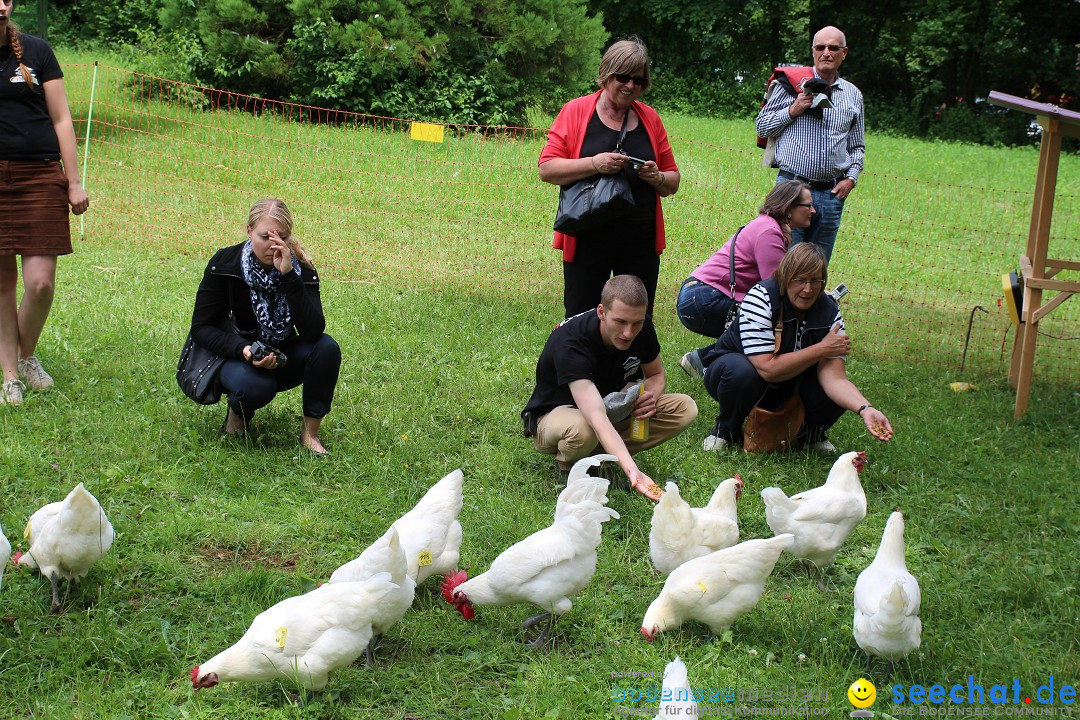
223	294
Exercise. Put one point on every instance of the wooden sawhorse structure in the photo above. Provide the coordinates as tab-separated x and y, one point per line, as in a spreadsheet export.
1036	269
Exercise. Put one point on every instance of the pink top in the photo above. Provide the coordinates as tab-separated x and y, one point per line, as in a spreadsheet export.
757	253
567	134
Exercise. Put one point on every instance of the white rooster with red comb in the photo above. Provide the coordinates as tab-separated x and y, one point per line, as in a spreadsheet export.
550	566
820	518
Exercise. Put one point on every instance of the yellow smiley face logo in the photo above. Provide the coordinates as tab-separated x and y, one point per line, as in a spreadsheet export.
862	693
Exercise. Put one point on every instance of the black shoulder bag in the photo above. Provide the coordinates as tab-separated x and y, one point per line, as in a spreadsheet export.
198	369
733	311
596	200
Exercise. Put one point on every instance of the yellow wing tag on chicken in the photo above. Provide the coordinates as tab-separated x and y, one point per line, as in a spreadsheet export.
26	532
423	559
427	132
702	586
279	637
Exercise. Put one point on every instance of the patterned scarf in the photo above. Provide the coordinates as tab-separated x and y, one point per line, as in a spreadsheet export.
269	303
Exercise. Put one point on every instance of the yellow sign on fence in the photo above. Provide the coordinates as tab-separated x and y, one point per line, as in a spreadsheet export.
428	132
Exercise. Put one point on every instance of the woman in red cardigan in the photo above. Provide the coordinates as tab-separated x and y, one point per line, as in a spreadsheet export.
581	144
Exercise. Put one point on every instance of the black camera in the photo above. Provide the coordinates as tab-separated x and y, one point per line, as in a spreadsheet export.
635	163
259	350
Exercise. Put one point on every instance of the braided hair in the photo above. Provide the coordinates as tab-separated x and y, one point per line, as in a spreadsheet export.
15	39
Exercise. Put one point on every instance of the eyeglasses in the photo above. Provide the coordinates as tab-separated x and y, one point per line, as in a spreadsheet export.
809	205
832	48
639	80
812	282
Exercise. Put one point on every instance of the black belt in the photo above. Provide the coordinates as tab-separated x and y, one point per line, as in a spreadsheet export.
814	184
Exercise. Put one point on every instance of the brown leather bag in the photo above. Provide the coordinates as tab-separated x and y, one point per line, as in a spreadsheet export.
774	430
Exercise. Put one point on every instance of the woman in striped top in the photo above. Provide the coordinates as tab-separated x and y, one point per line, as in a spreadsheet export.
789	339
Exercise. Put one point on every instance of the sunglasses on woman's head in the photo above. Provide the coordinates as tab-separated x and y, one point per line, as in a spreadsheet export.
639	80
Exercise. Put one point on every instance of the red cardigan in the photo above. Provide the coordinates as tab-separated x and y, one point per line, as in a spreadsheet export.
566	136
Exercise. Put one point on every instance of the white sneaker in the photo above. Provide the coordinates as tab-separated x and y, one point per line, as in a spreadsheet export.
36	377
11	392
824	447
714	443
691	364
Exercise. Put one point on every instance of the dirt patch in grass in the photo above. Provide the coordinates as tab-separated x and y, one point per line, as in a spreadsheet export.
246	556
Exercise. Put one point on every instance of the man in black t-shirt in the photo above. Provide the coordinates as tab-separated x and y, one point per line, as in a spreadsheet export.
586	358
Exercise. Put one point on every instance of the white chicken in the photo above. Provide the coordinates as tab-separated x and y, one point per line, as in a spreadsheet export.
303	638
676	697
430	532
821	518
680	532
576	492
66	538
547	568
385	555
5	554
887	600
715	589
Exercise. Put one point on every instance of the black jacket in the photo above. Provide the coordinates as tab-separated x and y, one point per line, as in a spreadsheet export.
223	294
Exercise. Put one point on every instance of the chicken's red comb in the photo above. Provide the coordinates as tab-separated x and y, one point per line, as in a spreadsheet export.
859	461
451	581
194	674
16	556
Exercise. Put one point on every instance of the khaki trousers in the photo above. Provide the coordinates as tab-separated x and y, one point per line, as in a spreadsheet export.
565	433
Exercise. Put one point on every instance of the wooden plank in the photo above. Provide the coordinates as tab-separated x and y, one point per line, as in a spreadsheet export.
1063	264
1025	267
1047	284
1046	309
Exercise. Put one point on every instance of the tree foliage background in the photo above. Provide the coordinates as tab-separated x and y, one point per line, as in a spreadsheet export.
924	66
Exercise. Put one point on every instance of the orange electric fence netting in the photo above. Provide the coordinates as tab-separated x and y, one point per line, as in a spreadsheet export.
176	167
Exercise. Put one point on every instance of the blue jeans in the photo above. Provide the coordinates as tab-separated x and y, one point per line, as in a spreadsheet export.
702	308
313	365
826	222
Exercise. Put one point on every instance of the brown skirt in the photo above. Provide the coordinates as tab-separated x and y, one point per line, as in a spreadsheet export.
34	210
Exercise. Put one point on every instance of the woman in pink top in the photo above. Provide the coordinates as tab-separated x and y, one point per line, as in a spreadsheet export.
706	297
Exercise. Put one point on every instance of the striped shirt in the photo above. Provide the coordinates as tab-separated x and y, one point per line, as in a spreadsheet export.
756	325
819	147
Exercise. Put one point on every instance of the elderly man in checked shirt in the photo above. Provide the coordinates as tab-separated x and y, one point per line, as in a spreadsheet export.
822	147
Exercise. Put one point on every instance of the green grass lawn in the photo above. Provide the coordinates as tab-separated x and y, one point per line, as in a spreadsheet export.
441	309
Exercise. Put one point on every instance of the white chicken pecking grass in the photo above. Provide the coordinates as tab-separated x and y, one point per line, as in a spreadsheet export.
550	566
430	532
66	539
676	697
302	639
385	555
715	589
5	554
820	518
887	601
680	532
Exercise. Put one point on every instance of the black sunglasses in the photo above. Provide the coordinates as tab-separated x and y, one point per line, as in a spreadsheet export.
832	48
639	80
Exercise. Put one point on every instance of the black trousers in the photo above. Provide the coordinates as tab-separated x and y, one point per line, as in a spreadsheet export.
595	261
732	381
313	365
